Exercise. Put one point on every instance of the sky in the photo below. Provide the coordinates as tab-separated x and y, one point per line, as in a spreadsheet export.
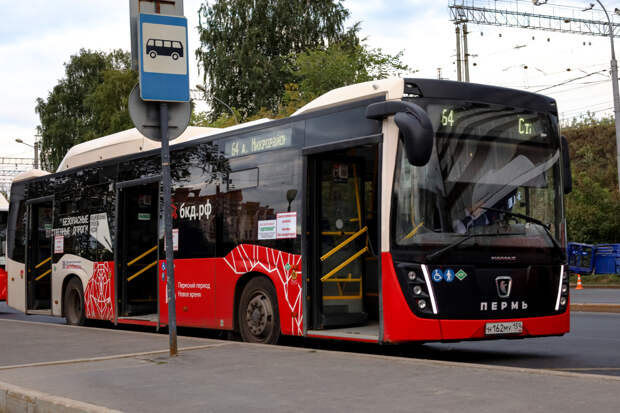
38	36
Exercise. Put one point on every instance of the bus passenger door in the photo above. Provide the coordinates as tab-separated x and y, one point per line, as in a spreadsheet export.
338	236
137	252
39	257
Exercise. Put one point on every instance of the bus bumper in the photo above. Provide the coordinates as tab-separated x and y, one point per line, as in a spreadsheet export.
401	325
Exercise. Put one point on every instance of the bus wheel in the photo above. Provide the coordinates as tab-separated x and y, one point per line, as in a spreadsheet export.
153	54
258	312
175	56
75	311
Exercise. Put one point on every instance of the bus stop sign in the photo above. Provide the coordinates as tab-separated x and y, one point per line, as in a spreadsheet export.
163	53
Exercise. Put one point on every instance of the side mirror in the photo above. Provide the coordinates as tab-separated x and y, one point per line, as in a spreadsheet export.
567	175
416	129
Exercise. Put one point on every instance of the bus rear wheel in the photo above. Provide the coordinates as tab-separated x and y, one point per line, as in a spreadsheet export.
75	311
258	312
174	56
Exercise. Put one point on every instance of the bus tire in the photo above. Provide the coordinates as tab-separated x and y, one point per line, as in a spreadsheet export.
259	321
75	310
153	54
174	56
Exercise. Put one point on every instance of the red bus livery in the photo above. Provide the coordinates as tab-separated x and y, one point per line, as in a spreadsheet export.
393	211
4	210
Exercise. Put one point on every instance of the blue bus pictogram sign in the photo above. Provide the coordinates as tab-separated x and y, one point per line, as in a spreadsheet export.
164	74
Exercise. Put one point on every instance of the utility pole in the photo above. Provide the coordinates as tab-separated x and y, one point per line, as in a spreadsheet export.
465	53
458	53
614	84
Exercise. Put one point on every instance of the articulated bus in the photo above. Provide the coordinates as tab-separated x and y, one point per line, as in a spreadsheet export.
400	210
4	211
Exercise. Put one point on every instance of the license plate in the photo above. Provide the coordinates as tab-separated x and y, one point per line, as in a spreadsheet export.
514	327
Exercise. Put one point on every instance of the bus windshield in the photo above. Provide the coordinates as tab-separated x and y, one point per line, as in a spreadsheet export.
493	177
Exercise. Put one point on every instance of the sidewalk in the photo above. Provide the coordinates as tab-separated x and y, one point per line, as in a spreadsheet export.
224	376
605	300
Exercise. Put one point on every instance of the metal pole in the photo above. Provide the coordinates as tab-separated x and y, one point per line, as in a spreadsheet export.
465	53
614	84
36	154
458	53
165	176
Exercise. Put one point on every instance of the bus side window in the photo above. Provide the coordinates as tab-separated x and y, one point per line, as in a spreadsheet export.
151	42
159	43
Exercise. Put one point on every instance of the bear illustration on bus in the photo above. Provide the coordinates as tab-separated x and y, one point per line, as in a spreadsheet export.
159	47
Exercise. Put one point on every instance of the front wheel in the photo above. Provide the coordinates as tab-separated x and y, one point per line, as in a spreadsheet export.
153	54
258	312
175	56
75	311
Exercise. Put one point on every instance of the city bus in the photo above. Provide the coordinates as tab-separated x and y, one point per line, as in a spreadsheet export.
392	211
4	211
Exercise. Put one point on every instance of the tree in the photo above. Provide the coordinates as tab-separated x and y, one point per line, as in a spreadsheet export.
90	101
246	46
593	208
320	70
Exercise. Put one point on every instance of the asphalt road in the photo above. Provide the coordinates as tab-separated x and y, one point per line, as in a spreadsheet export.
592	346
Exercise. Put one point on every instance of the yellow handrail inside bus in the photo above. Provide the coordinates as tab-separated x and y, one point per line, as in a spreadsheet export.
337	233
341	295
142	270
141	256
343	264
413	231
43	275
42	262
343	244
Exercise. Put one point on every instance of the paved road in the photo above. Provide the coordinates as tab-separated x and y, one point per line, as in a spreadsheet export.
596	295
592	346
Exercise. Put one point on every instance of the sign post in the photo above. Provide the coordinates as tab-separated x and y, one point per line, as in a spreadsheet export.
164	77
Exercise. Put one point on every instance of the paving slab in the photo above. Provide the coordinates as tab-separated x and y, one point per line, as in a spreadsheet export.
24	342
237	377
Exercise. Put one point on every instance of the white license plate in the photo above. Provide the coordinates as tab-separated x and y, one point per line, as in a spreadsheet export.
513	327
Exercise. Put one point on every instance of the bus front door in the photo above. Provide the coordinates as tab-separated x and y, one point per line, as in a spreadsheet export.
138	251
339	242
39	257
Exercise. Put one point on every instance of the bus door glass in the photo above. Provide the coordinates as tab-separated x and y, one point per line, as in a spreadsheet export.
39	256
340	239
138	225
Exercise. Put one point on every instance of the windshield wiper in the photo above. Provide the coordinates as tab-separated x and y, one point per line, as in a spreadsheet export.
441	251
533	220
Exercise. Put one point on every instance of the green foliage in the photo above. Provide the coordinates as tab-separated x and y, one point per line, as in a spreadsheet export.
316	72
246	46
323	69
593	208
90	101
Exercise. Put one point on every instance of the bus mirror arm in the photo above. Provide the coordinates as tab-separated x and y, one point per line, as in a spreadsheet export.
568	176
414	125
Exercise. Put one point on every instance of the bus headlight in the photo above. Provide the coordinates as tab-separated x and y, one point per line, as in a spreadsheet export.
414	287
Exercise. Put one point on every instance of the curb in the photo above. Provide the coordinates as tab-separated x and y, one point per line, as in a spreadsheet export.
15	399
595	308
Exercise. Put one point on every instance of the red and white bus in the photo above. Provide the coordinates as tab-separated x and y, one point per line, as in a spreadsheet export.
398	210
4	211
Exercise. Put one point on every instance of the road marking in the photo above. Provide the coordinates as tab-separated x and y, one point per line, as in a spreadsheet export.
105	358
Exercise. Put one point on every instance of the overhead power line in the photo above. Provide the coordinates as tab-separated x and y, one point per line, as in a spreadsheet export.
487	13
